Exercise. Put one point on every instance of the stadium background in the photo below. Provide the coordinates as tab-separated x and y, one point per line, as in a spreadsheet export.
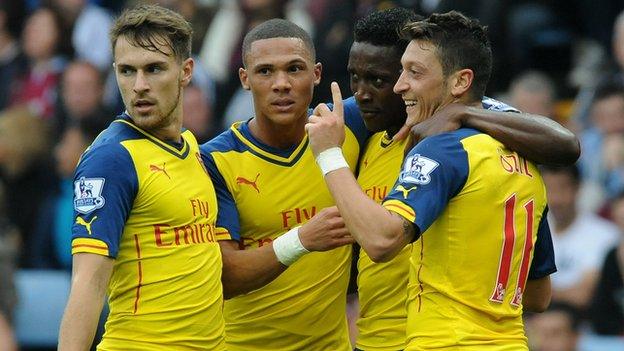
561	59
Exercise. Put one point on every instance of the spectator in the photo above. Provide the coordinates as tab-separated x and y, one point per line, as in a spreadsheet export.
12	60
9	243
82	92
198	117
89	35
607	309
533	92
23	166
613	73
580	238
220	52
556	329
40	41
600	166
51	247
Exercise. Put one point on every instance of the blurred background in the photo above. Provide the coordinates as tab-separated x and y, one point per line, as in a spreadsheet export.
559	58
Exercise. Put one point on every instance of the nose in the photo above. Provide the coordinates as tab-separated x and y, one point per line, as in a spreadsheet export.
281	82
140	83
361	93
401	85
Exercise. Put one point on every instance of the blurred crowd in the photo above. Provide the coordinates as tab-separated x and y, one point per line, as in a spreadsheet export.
561	59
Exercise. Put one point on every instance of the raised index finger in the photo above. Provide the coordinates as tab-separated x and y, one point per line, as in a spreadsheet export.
337	97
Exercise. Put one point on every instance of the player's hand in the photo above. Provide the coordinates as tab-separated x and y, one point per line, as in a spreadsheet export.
427	112
445	119
325	128
325	231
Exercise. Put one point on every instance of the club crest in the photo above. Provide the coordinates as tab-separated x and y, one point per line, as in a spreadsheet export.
417	170
88	194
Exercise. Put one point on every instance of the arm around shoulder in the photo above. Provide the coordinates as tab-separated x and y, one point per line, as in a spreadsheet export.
538	138
90	277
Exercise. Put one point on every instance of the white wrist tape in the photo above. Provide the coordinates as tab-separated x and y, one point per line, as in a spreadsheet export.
331	160
288	247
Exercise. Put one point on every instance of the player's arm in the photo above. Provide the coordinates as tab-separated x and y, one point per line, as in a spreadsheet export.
245	270
535	137
90	276
381	233
536	296
251	269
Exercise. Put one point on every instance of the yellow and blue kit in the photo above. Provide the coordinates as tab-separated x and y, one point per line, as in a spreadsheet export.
262	193
479	211
151	207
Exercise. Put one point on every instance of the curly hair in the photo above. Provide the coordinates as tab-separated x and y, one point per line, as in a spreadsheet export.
460	42
382	28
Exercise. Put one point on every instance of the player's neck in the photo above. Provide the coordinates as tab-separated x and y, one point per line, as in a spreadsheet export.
171	132
277	135
392	130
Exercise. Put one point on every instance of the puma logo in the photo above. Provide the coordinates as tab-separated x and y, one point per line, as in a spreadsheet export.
155	168
405	191
87	225
241	180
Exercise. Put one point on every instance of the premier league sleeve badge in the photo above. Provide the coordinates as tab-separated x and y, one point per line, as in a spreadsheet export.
417	170
88	194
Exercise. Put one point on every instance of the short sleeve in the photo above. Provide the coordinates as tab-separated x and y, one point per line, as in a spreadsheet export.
105	186
228	226
543	263
434	171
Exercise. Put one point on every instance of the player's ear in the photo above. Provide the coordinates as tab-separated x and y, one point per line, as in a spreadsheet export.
318	68
461	81
187	71
242	75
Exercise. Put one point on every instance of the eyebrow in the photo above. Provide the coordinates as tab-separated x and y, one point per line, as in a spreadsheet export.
293	61
153	63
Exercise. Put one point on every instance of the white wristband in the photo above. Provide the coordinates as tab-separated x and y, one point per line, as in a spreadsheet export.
288	247
331	160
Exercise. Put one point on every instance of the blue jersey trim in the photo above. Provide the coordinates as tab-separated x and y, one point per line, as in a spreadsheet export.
445	181
108	159
543	263
227	215
180	153
229	141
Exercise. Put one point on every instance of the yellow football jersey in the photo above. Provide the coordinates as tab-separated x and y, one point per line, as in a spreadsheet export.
152	207
382	287
481	211
262	193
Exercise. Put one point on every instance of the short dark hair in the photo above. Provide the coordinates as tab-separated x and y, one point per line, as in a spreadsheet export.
460	42
572	170
277	28
150	26
381	28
